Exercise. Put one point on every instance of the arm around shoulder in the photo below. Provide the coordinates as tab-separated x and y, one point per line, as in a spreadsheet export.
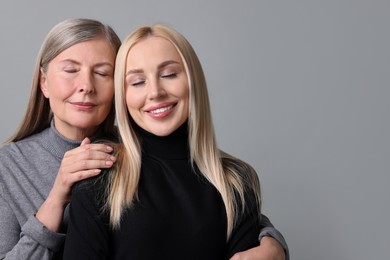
268	230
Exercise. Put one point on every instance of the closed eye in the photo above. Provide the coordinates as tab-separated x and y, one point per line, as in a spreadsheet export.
102	73
170	75
137	83
70	70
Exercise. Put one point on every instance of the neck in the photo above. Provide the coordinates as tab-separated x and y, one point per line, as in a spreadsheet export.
76	134
173	146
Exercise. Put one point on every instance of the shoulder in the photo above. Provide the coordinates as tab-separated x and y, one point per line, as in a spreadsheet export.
91	184
20	152
12	165
243	169
26	144
247	179
12	154
6	149
92	189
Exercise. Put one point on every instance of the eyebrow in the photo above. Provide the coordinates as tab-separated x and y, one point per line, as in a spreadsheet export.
160	66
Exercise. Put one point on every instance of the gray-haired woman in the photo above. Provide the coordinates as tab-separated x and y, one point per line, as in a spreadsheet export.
71	99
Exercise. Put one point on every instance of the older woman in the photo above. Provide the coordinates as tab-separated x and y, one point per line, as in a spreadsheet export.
71	98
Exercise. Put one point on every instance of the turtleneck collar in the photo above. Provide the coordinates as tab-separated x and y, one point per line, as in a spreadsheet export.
173	146
58	144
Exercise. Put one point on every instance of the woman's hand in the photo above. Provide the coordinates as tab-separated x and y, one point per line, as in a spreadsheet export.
78	164
269	249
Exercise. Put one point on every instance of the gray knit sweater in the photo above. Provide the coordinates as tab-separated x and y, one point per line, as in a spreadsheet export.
28	169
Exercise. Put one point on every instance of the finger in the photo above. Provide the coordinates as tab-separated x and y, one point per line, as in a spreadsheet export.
91	155
236	256
95	147
87	162
252	253
84	165
82	175
85	149
85	141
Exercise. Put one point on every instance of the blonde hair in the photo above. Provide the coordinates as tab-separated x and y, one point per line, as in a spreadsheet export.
231	176
62	36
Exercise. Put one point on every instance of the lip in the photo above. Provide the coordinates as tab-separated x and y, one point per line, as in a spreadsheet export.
161	110
83	105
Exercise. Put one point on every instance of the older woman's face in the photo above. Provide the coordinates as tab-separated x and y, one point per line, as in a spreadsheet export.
80	87
157	90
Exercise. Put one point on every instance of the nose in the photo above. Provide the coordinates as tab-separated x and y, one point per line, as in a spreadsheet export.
156	90
86	83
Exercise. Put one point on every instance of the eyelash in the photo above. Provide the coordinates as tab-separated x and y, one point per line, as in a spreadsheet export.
70	70
170	75
139	83
100	73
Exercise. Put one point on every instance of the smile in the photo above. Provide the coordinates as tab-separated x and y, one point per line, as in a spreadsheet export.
161	110
84	105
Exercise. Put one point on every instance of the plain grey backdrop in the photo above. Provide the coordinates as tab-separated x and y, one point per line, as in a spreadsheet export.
299	89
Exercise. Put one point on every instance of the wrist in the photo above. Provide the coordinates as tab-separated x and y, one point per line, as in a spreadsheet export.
274	245
50	214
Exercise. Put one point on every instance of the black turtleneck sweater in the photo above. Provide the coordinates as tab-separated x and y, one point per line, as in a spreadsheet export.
179	214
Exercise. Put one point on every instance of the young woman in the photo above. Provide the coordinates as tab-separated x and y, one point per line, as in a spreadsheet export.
170	179
71	98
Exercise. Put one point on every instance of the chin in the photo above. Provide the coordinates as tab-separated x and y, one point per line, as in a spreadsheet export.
163	131
85	124
160	133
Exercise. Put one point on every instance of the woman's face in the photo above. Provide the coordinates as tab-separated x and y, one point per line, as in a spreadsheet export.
156	86
80	87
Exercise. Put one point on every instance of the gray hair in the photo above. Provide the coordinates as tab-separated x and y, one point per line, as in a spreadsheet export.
62	36
73	31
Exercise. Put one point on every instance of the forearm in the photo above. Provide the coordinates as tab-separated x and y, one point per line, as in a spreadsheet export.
267	229
20	242
51	213
34	241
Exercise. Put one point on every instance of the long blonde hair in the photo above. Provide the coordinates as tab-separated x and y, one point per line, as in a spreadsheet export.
62	36
232	177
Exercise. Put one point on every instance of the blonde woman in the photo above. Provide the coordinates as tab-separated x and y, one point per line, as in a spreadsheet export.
71	99
172	193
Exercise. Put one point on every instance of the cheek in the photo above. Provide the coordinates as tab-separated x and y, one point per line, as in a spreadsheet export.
56	94
106	85
109	94
186	96
133	100
59	88
184	89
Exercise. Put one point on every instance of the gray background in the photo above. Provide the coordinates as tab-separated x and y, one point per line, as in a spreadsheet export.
299	89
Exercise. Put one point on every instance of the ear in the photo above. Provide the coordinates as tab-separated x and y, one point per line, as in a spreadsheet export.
43	83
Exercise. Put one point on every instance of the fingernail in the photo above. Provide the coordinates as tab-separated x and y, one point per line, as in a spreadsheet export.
109	162
109	148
